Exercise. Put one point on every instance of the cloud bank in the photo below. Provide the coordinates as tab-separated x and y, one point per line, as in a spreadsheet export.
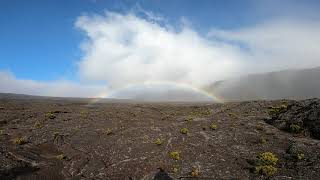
277	44
10	84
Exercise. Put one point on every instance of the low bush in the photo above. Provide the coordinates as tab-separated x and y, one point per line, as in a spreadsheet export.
184	130
158	141
213	126
175	155
20	140
265	164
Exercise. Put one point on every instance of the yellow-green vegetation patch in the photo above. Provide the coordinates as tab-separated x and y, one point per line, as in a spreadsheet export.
294	128
189	119
265	164
200	113
1	132
20	140
61	157
175	155
213	126
184	130
158	141
275	110
50	115
266	170
268	158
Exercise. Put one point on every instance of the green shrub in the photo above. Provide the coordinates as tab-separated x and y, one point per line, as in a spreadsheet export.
263	140
184	130
61	157
20	140
265	164
275	110
213	126
267	170
158	141
189	119
50	115
268	158
293	128
175	155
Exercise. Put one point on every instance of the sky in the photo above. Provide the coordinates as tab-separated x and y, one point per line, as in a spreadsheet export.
111	48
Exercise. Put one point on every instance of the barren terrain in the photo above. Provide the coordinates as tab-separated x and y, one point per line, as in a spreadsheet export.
56	138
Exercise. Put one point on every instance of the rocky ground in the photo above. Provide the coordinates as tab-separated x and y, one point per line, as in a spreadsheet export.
46	138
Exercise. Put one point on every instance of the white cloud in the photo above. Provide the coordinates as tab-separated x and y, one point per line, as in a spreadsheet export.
122	50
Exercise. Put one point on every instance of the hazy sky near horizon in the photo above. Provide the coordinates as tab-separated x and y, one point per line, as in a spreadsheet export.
96	47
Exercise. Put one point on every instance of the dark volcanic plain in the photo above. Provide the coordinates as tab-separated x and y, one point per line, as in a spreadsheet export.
81	139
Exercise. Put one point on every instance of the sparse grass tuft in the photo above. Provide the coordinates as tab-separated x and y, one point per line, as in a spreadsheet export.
50	115
158	141
20	140
37	124
61	157
213	126
108	131
175	155
195	172
184	130
293	128
263	140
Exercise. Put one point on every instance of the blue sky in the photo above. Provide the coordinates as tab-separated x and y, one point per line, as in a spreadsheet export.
39	39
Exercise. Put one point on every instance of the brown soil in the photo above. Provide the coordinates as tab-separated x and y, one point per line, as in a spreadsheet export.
116	140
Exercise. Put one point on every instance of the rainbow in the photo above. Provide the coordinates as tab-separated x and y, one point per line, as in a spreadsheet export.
204	91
